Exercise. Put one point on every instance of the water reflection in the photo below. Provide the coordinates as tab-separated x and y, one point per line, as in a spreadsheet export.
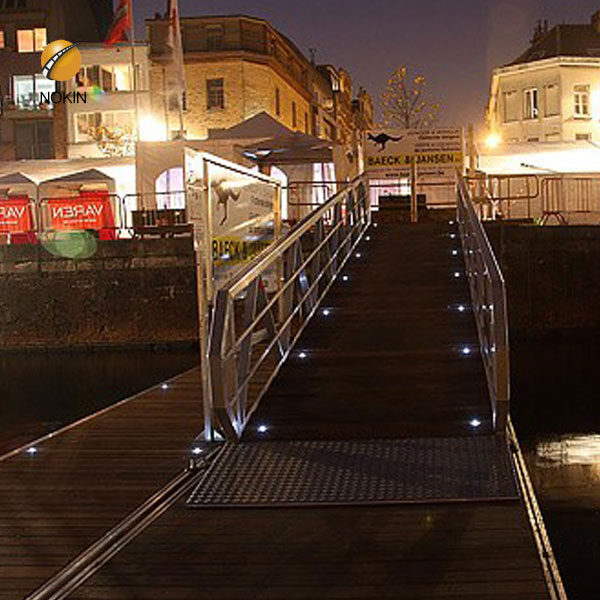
557	415
43	392
566	471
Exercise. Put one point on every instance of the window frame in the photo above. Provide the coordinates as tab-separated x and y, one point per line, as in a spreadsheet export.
531	100
547	104
215	36
505	105
37	45
34	78
215	97
582	100
277	101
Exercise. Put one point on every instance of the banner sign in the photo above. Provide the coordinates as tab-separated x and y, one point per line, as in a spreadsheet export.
241	206
91	211
437	152
16	215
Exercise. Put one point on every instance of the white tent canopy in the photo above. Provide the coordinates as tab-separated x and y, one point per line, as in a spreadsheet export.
541	158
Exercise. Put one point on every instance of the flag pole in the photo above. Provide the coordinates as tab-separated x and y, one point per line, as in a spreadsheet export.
133	73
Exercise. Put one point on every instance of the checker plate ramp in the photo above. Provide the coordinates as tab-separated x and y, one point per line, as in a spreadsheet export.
363	472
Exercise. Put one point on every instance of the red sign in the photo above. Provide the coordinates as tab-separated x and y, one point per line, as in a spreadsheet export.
87	211
15	215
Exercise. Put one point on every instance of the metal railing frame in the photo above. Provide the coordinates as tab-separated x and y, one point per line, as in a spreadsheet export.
546	197
488	296
304	274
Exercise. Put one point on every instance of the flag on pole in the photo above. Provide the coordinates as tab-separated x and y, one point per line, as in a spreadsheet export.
121	23
174	69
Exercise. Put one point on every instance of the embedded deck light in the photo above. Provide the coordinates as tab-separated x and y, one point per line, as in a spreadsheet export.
456	274
326	312
461	308
345	278
466	351
302	355
196	451
475	423
262	429
32	451
165	386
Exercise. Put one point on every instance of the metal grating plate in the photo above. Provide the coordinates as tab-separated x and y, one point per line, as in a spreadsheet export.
346	472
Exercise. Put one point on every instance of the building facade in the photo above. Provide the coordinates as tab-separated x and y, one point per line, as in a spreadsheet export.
105	125
237	67
551	93
30	129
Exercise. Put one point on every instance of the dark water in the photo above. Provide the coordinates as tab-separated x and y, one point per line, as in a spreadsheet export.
42	392
556	411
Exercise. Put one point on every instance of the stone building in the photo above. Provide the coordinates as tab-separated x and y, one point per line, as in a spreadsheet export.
29	129
237	67
551	93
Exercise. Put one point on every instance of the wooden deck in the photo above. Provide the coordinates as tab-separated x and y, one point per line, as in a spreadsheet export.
84	481
387	363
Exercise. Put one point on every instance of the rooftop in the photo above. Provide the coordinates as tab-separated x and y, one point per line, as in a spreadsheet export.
562	40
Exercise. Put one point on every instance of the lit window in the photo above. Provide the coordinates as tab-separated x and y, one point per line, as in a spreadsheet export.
90	126
531	104
25	40
215	93
27	90
582	101
31	40
40	39
86	125
2	38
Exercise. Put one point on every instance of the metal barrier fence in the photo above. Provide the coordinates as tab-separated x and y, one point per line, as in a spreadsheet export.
563	198
25	220
488	296
253	329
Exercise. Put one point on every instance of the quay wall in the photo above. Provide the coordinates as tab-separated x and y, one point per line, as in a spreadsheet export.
552	277
128	293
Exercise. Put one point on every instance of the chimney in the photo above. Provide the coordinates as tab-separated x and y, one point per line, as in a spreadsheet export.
538	32
596	21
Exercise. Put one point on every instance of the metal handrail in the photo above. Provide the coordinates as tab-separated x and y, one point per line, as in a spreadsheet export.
488	295
260	313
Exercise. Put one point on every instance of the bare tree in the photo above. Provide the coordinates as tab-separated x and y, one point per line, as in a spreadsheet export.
407	102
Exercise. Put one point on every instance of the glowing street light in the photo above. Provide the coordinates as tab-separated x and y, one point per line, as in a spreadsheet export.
151	130
493	140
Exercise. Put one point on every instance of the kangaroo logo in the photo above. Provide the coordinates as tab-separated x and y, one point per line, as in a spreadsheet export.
224	194
382	139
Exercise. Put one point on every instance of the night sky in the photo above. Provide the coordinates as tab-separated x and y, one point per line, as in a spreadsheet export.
455	43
